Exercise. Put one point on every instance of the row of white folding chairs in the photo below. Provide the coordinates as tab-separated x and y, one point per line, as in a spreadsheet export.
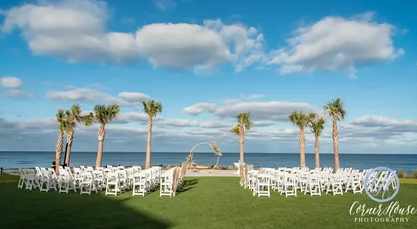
84	178
336	183
140	181
124	174
167	183
288	180
43	179
113	180
118	179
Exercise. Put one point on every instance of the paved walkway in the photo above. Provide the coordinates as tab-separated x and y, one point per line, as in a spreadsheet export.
210	173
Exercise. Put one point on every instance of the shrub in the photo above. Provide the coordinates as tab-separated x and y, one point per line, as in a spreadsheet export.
414	174
231	168
401	174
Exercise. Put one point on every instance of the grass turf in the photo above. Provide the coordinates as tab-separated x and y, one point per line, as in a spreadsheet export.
209	202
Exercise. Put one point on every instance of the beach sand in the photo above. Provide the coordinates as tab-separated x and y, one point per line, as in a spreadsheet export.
210	173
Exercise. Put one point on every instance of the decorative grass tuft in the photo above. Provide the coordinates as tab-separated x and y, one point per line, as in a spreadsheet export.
175	180
215	149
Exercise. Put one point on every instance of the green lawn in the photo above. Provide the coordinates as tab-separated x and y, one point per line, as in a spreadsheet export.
207	203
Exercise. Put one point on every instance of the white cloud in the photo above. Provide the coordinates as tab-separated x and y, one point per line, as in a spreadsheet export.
374	121
246	42
264	123
337	44
41	134
190	46
75	30
87	95
263	114
164	5
229	101
207	133
77	94
242	98
274	135
265	111
216	124
17	93
132	117
253	96
178	123
13	87
10	82
133	96
383	124
200	108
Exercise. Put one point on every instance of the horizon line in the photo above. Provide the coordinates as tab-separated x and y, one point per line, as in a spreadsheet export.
43	151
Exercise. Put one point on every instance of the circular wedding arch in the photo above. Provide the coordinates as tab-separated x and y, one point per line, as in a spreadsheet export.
213	147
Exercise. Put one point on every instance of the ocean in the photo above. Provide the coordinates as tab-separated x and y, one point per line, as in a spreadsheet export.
399	162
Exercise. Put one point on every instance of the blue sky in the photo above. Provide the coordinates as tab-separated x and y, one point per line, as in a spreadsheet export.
206	61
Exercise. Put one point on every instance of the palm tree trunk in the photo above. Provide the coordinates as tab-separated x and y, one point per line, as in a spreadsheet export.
149	144
58	151
70	137
335	145
316	151
302	149
242	142
100	135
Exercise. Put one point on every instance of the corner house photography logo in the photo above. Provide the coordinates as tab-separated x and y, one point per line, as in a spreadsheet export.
381	185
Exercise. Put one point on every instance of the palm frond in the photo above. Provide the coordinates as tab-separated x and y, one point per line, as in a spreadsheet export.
60	118
299	119
317	125
105	114
88	119
152	108
244	120
236	130
335	109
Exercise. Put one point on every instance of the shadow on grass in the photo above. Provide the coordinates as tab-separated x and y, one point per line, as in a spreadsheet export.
39	210
188	184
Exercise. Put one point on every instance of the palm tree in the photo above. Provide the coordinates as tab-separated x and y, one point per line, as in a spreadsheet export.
243	124
335	109
151	108
104	114
317	126
73	117
301	120
60	118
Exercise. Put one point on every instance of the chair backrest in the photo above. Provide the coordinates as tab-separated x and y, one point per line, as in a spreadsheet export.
98	174
112	176
264	178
